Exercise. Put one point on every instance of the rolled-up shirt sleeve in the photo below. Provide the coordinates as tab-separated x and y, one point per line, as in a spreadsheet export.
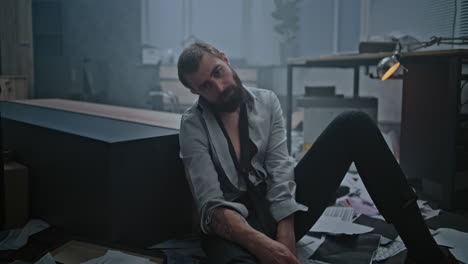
281	187
201	173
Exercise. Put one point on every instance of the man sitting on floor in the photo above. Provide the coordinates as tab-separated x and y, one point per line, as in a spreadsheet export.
253	203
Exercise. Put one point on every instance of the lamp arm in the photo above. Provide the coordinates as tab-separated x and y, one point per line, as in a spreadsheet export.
436	41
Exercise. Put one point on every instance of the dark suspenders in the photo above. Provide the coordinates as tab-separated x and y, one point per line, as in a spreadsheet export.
260	218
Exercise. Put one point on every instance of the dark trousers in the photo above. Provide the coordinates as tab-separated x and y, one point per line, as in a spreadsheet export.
350	137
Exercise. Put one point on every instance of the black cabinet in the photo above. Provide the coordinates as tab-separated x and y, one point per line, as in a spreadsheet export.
101	178
433	142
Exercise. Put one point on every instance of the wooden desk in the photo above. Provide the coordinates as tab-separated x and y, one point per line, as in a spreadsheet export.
148	117
352	61
430	116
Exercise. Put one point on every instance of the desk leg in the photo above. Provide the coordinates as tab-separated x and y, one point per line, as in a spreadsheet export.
356	82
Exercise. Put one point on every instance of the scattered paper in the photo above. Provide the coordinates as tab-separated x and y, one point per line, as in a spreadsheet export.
388	250
358	196
307	246
336	226
46	259
385	241
426	210
458	241
347	214
362	206
348	249
378	217
356	187
17	238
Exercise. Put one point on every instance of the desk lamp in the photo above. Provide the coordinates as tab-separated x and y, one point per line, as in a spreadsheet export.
389	65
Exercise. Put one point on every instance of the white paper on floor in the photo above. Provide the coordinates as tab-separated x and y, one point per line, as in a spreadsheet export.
46	259
17	238
426	211
336	226
307	246
347	214
458	241
358	196
388	250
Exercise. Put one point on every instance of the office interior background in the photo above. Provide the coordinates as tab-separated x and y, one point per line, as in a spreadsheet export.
124	53
94	50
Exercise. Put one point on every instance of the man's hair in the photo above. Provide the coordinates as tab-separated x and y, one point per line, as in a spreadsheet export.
190	59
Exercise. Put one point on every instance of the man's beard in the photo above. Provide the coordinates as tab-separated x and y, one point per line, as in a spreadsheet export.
232	97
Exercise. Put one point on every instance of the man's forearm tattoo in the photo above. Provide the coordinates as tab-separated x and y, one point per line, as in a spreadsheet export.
222	225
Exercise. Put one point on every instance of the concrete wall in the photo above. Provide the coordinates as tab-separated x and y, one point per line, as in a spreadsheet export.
242	29
102	39
110	33
107	32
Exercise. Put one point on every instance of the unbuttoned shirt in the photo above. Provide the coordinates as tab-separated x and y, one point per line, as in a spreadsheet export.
211	173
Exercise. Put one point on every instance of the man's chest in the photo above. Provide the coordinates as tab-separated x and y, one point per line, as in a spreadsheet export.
232	130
